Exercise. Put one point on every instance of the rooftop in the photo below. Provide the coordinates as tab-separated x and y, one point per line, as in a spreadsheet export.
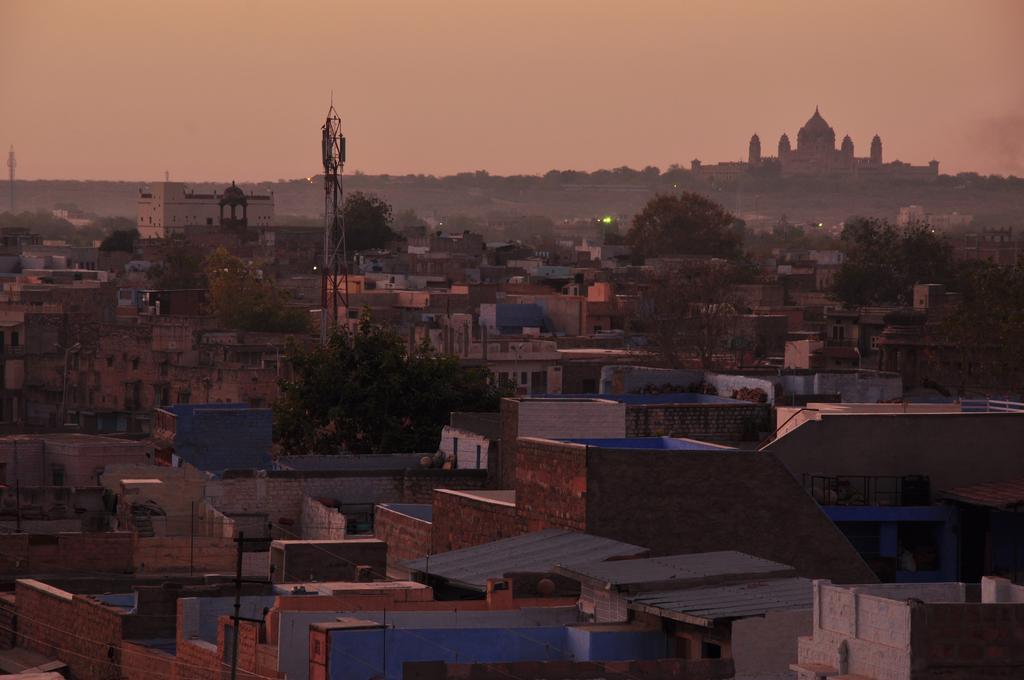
651	444
421	511
646	399
500	497
705	606
537	552
1000	495
686	570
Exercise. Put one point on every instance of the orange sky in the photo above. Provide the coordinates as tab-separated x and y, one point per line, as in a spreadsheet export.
235	89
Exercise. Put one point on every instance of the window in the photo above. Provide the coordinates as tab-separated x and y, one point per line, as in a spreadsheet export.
209	221
838	332
709	650
110	362
524	378
57	475
3	473
135	364
15	339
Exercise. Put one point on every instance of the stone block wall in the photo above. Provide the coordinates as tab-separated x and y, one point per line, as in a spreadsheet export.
463	522
280	494
408	538
321	522
721	422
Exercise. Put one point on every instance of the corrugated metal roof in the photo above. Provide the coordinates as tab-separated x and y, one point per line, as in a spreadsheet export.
693	567
1005	494
536	552
703	606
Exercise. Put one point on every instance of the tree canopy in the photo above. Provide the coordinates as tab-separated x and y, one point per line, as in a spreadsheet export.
685	224
689	310
180	266
122	240
367	220
366	393
987	326
883	262
242	299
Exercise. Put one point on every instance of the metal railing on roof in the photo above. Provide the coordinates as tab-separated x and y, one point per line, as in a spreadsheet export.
991	406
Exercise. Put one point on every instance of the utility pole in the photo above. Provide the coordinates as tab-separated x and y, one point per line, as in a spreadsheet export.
241	541
11	164
334	276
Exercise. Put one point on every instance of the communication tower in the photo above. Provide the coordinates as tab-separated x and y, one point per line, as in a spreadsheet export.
334	278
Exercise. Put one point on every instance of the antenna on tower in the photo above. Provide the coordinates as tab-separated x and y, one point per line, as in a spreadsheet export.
334	278
11	163
167	175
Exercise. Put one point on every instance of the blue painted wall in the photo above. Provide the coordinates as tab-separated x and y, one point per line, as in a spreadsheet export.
218	437
364	654
888	518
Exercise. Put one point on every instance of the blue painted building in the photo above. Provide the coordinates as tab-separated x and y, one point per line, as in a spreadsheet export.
364	648
215	437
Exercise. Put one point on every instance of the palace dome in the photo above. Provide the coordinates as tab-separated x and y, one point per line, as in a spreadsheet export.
816	132
233	195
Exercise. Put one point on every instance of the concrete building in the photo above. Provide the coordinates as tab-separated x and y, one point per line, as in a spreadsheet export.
915	632
64	459
169	208
877	471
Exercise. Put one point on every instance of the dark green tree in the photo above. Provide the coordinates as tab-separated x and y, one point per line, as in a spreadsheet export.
367	222
986	328
883	262
122	240
366	393
242	299
685	224
180	267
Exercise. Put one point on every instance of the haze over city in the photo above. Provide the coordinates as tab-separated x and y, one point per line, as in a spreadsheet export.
113	89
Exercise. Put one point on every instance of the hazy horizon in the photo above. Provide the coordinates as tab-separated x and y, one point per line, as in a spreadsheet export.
118	90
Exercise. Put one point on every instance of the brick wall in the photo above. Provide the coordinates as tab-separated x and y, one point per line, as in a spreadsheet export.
168	554
551	485
78	630
139	662
8	618
967	640
700	501
553	418
723	422
60	553
408	538
462	522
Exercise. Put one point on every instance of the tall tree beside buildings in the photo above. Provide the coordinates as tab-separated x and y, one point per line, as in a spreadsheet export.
365	392
367	222
986	327
688	311
685	224
242	299
883	262
180	267
122	240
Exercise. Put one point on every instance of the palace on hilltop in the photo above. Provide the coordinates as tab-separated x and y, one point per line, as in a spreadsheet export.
816	155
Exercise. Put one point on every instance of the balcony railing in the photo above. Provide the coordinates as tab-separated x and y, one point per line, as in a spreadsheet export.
910	490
